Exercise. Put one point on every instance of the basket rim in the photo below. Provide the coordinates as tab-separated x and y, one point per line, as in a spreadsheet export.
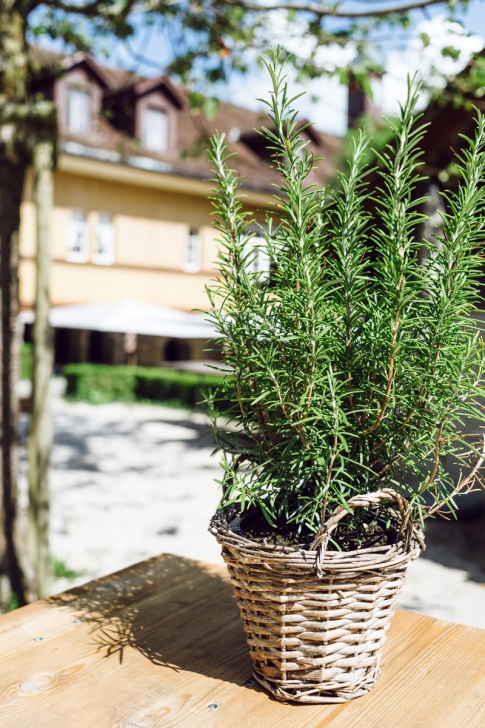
220	528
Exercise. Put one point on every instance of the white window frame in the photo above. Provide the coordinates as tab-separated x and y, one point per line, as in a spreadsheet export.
105	237
78	118
260	261
156	140
193	252
434	209
77	243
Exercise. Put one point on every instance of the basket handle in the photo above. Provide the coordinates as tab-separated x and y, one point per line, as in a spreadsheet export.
320	541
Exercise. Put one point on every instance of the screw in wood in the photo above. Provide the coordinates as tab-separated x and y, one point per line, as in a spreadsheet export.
213	706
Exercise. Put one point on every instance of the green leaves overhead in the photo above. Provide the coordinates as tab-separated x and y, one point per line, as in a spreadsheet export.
355	357
206	40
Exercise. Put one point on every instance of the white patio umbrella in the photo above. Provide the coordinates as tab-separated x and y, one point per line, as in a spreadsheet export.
129	316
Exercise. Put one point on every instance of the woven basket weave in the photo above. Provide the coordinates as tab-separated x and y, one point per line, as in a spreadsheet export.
316	620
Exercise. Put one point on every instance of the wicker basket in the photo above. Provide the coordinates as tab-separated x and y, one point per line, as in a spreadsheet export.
316	620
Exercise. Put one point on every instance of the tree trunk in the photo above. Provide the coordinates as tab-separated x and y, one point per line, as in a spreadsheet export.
13	161
21	121
12	173
40	440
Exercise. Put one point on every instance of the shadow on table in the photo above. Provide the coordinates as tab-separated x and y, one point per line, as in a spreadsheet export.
176	612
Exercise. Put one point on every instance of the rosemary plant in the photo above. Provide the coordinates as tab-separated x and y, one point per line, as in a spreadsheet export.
355	361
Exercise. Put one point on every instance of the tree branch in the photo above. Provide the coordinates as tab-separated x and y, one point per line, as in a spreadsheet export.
463	483
96	8
36	111
322	11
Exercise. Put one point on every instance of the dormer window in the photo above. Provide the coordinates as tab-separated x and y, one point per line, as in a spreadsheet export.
155	130
78	111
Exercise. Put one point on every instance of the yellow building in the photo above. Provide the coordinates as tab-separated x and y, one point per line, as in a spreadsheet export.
131	212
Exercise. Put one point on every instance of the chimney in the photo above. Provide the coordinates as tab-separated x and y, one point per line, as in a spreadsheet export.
359	102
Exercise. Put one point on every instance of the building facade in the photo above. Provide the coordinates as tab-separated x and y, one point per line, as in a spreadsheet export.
131	212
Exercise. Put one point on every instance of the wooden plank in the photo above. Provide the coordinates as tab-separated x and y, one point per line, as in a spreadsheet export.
161	642
108	630
99	599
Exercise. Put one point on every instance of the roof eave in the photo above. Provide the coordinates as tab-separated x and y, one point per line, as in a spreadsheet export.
134	170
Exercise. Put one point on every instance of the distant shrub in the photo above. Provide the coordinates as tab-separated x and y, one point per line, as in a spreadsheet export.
25	364
99	383
60	570
169	385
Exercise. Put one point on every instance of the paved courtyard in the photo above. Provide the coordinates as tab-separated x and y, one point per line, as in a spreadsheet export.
131	481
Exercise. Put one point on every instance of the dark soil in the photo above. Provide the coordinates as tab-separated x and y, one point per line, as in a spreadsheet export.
369	532
258	529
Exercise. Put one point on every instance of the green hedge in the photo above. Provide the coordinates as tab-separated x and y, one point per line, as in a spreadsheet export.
99	383
25	368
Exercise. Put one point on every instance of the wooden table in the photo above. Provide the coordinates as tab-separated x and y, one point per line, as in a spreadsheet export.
161	644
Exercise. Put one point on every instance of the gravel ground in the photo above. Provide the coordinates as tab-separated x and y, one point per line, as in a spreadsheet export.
131	481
